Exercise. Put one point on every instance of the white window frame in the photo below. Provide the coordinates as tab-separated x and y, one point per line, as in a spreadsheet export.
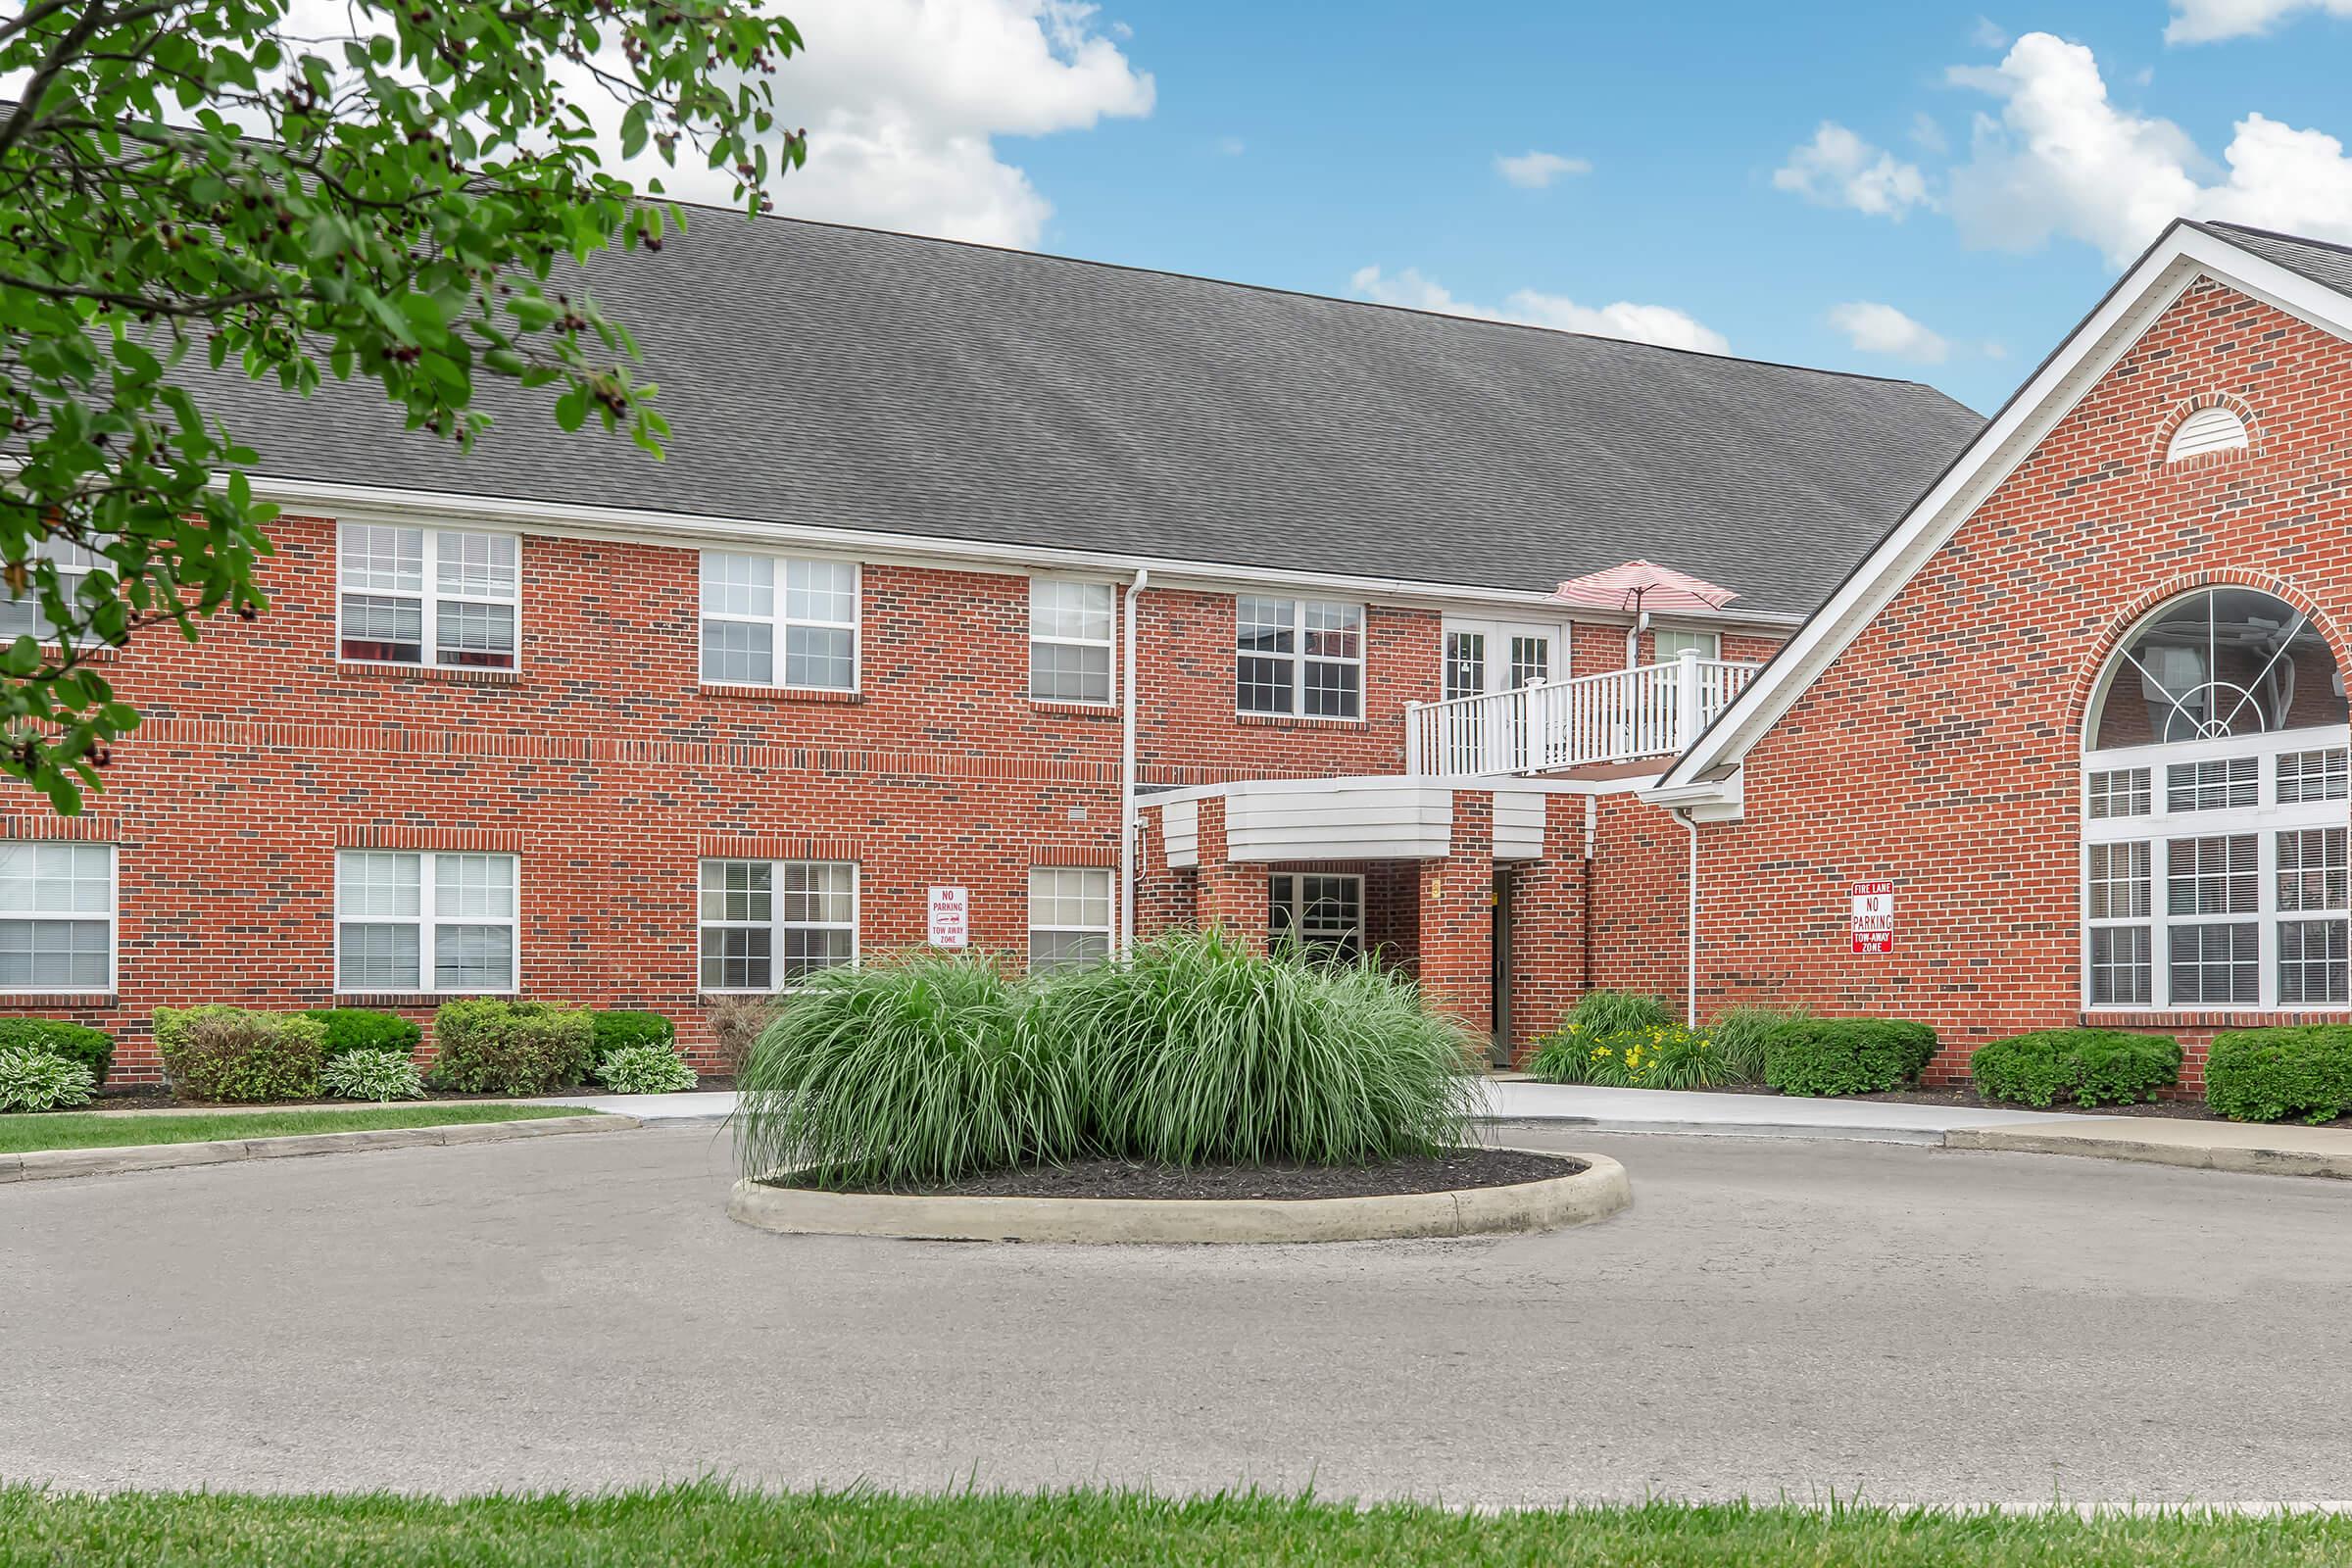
2160	825
1110	910
1109	643
1708	641
73	564
1495	664
1298	658
429	595
775	924
1298	901
428	921
113	919
780	624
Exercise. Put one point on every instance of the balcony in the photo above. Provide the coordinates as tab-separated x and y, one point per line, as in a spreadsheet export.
1618	715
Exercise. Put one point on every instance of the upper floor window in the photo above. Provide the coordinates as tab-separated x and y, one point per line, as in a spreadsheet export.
1070	625
1299	656
768	620
24	617
2215	865
57	917
432	920
435	597
1669	643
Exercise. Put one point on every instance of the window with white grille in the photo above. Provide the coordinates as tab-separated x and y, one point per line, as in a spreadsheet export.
768	620
23	617
1071	640
430	596
1069	916
1299	656
767	924
1321	912
440	921
57	918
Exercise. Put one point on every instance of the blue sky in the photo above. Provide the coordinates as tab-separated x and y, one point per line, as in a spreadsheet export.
1973	178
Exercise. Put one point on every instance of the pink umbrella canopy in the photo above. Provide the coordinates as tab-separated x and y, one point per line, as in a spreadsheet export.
1639	585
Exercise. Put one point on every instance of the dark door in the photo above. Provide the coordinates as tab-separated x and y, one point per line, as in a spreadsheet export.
1500	984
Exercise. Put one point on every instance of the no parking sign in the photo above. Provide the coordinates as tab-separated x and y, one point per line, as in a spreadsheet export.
1874	917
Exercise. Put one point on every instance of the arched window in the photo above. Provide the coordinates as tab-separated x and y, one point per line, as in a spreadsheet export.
2214	811
2214	429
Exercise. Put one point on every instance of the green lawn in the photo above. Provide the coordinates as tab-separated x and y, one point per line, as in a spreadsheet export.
67	1129
708	1525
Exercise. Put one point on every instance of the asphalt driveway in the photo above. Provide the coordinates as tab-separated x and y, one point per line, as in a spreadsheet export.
1769	1317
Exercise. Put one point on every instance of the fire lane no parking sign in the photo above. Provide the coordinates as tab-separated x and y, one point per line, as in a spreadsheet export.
1874	917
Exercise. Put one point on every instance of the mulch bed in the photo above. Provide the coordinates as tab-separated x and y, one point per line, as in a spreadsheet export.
1121	1178
1970	1099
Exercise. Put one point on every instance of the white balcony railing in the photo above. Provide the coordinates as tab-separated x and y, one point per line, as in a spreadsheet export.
1614	716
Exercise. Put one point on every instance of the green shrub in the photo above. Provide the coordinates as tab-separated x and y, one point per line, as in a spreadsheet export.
351	1029
1845	1056
94	1049
1618	1041
233	1053
644	1069
487	1046
2088	1066
2271	1074
378	1075
32	1078
1739	1037
738	1022
1196	1051
620	1030
912	1070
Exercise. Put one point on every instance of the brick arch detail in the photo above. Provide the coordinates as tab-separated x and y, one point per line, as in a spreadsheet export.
2122	625
2179	414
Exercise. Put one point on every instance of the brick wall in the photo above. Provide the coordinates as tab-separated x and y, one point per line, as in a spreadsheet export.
1940	750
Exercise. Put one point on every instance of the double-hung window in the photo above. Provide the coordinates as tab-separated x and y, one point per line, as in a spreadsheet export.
431	597
1303	657
768	923
433	920
24	617
1322	913
1070	627
57	918
1069	916
768	620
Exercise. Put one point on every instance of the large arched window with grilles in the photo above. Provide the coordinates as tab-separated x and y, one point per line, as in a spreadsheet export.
2214	810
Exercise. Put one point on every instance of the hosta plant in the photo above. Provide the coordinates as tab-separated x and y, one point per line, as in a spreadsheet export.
377	1075
32	1079
644	1069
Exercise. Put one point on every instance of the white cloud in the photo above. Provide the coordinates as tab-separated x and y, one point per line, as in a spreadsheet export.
1988	34
1640	324
1534	170
903	100
2061	158
1927	133
1874	329
2207	21
1839	169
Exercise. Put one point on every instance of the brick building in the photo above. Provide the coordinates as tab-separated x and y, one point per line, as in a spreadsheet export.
962	560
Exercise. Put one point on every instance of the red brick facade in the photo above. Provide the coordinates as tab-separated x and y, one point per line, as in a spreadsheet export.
1941	749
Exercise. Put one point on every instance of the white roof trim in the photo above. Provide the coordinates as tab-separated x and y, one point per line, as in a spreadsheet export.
2176	260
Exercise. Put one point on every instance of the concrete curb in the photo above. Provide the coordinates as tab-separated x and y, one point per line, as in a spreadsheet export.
2241	1154
50	1164
1592	1193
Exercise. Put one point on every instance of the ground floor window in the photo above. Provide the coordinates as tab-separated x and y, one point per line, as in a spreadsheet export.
767	924
436	920
1069	916
57	918
1320	912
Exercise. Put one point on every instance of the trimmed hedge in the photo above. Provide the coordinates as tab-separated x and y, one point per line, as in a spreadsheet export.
1845	1056
511	1048
2088	1066
2271	1074
350	1029
235	1055
94	1049
621	1029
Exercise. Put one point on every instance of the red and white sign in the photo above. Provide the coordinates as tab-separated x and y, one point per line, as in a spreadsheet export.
951	917
1874	917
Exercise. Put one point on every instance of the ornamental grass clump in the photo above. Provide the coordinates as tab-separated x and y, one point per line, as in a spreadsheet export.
1197	1050
908	1072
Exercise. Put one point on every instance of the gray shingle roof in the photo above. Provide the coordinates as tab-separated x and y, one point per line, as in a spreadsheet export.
856	379
2317	260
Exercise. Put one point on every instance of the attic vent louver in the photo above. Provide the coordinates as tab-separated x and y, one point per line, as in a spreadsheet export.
2206	431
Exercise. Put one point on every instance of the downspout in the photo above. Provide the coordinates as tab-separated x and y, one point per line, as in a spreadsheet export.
1690	917
1129	820
1585	923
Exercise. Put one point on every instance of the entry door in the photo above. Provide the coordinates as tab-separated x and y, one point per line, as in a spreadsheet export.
1500	977
1484	657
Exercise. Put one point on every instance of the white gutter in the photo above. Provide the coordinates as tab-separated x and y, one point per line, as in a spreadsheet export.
627	524
1128	818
